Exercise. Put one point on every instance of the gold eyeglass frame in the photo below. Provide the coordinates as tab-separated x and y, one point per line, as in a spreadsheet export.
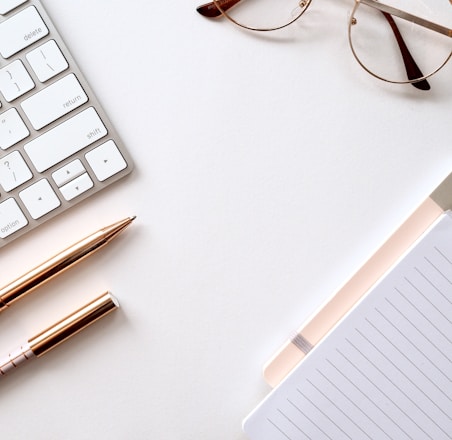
303	4
405	16
218	8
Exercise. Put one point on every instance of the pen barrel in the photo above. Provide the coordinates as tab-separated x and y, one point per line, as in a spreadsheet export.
60	262
49	269
69	326
15	358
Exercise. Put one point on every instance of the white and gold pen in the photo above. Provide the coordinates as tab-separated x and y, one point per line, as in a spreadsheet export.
58	333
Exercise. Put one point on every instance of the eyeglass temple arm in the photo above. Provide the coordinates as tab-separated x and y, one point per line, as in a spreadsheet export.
407	16
412	69
211	10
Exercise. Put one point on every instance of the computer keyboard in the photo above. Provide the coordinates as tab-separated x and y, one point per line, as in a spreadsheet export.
57	146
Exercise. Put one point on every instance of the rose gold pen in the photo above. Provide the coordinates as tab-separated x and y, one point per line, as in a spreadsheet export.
60	262
59	332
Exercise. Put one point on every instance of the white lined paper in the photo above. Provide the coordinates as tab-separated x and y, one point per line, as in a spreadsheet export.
385	371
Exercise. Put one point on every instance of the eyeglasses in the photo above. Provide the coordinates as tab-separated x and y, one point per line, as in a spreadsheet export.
380	51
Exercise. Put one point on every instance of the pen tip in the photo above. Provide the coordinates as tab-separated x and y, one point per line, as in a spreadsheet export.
133	218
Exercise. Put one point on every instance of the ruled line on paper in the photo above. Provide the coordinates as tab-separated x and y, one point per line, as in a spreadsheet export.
418	330
415	366
442	254
423	315
428	300
436	288
385	395
369	399
309	418
384	372
415	347
438	270
339	409
279	429
324	414
352	402
293	424
399	389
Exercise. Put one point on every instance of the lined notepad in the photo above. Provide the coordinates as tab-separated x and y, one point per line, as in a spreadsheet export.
385	371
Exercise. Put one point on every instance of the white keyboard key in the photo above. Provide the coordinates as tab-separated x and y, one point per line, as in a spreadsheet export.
68	172
47	61
9	5
15	80
13	171
65	139
106	160
54	101
39	198
20	31
49	122
11	218
12	129
76	187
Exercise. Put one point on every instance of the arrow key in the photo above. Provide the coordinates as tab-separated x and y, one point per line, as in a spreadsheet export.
76	187
70	171
39	198
106	160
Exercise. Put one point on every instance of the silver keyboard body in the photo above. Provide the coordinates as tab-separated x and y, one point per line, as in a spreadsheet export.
57	145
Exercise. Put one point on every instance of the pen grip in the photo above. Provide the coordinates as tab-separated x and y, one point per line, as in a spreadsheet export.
15	358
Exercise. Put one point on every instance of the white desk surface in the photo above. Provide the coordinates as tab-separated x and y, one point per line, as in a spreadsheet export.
267	170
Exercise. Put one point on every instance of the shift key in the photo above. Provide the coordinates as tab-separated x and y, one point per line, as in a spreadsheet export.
65	139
